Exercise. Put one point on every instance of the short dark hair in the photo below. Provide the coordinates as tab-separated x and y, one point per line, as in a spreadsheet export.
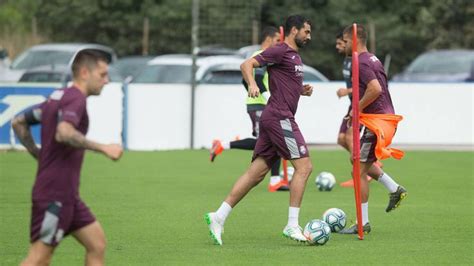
361	33
339	35
89	58
296	21
268	31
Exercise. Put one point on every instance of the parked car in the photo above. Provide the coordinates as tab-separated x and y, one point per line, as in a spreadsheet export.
60	73
50	55
440	65
131	66
176	68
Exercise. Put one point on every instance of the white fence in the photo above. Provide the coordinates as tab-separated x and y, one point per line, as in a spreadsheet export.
159	115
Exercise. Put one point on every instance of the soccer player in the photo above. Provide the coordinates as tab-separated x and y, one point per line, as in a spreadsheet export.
57	209
375	99
344	138
279	133
255	105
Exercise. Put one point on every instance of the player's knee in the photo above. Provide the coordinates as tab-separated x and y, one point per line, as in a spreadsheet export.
98	247
305	170
36	260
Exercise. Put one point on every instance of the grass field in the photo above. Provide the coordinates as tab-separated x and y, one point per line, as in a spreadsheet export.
151	205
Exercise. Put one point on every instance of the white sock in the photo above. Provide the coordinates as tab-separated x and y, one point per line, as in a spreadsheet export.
226	145
365	213
275	179
388	182
223	212
293	214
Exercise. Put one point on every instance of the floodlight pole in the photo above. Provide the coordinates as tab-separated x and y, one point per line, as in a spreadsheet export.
194	51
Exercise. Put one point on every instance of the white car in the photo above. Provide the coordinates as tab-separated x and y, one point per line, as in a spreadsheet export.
225	69
49	55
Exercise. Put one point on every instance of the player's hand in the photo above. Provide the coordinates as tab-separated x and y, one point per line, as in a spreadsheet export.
349	118
113	151
307	90
342	92
254	91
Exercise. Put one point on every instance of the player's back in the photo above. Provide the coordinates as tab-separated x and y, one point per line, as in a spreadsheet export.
59	164
371	68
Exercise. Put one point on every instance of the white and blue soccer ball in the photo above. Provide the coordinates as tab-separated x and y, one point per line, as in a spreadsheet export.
335	218
290	170
317	232
325	181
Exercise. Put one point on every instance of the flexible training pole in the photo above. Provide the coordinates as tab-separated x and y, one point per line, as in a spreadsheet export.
282	34
355	131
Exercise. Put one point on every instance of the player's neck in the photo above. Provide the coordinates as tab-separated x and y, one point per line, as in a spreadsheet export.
80	86
291	43
362	49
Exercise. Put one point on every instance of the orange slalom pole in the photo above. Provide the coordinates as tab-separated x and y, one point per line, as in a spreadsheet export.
282	34
355	131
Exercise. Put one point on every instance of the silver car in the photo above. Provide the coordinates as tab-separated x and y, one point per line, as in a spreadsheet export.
223	69
440	66
59	54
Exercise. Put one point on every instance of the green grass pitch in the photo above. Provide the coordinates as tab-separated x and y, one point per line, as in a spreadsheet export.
151	205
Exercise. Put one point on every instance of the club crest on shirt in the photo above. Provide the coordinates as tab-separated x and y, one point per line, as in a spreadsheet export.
59	235
302	149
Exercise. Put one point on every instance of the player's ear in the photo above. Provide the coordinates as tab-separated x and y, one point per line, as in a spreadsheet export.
294	30
84	72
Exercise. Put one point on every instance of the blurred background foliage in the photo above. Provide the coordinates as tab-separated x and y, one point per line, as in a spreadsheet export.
402	29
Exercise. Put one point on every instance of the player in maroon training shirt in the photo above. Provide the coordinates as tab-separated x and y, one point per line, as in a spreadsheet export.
279	133
57	209
374	99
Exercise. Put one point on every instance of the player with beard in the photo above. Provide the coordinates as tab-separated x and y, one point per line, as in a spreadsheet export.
279	133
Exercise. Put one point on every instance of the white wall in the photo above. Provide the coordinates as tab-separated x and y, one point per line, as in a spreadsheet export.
158	115
105	115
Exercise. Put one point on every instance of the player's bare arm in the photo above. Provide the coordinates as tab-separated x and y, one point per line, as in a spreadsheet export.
307	90
247	73
343	92
372	92
23	132
67	134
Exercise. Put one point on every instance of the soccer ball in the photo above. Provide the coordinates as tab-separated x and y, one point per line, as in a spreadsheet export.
325	181
290	171
317	232
335	218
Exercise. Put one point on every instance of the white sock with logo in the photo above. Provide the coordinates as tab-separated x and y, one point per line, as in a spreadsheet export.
388	182
223	211
293	214
225	145
275	180
365	213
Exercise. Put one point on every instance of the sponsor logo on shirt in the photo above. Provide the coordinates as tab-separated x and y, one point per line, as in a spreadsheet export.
299	70
374	58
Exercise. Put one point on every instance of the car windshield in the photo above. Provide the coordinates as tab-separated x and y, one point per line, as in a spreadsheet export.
442	63
41	77
165	74
223	77
33	59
